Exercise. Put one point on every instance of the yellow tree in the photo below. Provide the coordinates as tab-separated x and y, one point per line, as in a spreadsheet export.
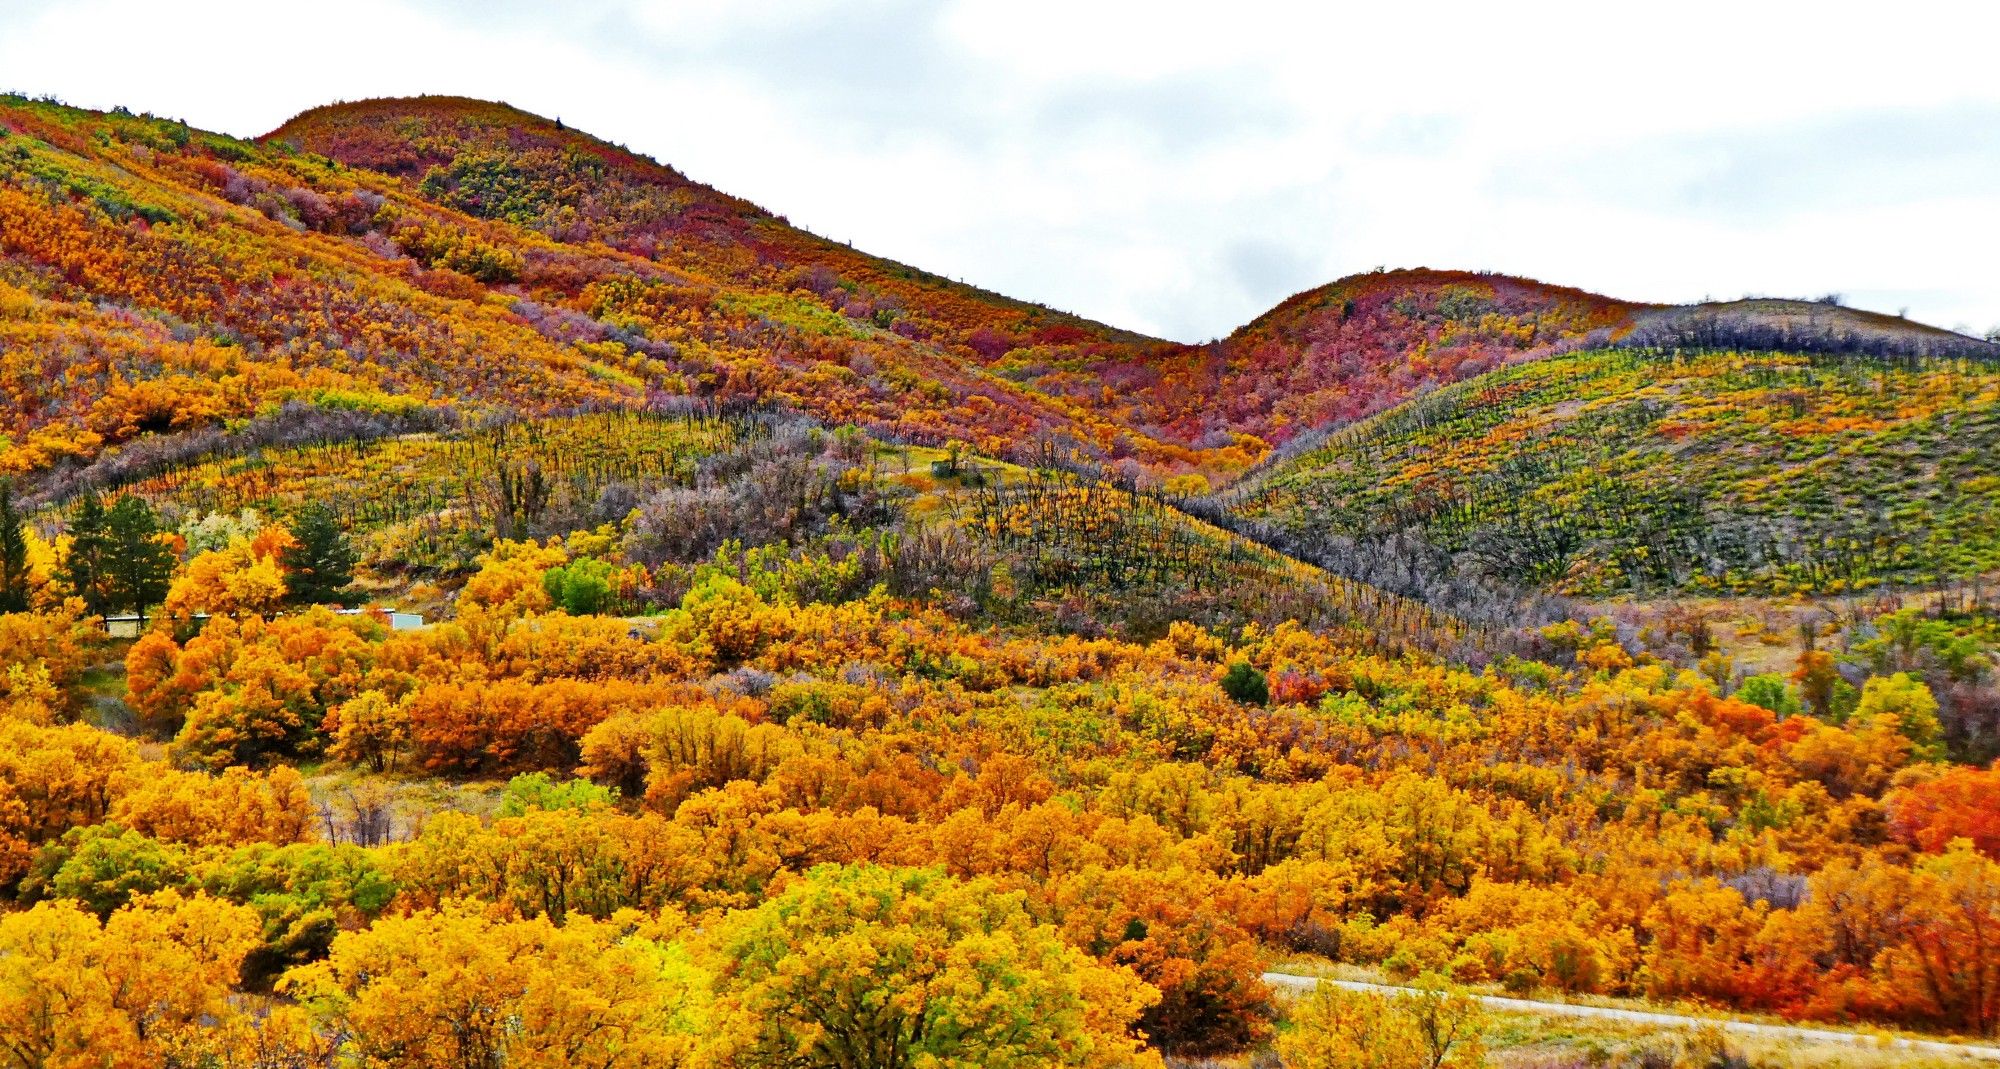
1432	1027
369	728
894	968
237	806
241	579
459	989
53	779
42	658
1905	702
148	982
509	580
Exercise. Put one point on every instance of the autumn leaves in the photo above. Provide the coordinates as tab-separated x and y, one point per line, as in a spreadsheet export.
856	966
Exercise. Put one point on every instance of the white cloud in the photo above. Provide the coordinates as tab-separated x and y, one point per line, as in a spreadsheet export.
1178	167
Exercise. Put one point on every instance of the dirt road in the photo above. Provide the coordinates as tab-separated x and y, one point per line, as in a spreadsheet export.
1666	1020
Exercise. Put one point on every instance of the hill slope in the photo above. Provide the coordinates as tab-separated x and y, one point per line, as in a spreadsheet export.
789	714
424	256
1610	470
1335	353
1798	327
1363	344
161	279
1349	349
496	162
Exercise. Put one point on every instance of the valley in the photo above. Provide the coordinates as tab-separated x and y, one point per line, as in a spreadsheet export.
825	663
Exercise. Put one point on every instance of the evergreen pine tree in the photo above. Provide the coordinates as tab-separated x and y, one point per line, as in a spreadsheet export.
139	566
13	553
321	565
1245	683
83	567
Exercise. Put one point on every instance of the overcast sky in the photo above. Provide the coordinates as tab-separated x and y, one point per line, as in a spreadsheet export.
1179	167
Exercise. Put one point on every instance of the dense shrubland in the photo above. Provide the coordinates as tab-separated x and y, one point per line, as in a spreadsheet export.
161	280
1147	819
827	665
1338	353
777	502
440	251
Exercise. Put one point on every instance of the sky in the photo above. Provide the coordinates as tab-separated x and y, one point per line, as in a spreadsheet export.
1178	168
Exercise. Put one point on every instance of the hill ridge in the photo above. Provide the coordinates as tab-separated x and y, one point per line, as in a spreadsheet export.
448	250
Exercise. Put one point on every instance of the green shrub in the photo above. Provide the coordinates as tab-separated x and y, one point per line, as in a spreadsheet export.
1245	683
536	790
581	588
1770	691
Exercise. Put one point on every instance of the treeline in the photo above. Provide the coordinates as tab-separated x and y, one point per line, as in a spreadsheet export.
1803	327
295	424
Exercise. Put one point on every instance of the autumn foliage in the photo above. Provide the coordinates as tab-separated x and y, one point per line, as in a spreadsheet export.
736	738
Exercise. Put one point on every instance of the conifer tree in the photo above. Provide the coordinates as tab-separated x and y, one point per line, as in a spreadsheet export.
139	565
321	563
84	565
13	553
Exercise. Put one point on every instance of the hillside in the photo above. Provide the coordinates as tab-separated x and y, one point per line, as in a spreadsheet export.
435	253
1345	351
1342	350
1823	326
160	279
1363	344
495	162
1638	470
672	495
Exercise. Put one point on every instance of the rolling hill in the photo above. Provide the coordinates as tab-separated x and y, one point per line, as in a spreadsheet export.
1331	353
1633	470
390	266
1347	350
160	279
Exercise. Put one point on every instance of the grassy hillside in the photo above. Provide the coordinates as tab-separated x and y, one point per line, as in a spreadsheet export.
493	161
431	502
1335	352
671	495
376	269
1615	470
1364	344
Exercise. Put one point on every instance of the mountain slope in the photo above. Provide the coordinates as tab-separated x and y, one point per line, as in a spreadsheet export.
496	162
440	254
1363	344
1822	326
159	279
1349	349
1332	354
1615	470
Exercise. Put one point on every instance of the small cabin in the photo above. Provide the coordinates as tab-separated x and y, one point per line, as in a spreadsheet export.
397	620
125	626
